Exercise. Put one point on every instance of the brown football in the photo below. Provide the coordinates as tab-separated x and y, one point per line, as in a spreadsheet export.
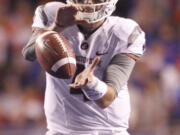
55	54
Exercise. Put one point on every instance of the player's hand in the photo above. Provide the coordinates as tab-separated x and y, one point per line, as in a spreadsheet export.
67	16
86	75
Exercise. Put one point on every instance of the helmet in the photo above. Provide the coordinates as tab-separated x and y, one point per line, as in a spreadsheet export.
106	9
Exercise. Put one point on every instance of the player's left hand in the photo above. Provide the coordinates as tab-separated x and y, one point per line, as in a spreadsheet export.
86	75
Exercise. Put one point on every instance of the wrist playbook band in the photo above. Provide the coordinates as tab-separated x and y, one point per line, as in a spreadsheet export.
95	89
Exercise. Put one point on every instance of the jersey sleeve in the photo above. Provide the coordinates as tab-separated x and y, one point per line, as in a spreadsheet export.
136	42
40	19
131	39
45	14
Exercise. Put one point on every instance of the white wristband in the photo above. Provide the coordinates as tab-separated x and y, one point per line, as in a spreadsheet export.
95	89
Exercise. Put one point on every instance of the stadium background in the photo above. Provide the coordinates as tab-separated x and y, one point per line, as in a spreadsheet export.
154	84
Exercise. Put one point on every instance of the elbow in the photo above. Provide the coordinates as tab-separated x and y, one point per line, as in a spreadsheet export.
104	103
28	56
24	54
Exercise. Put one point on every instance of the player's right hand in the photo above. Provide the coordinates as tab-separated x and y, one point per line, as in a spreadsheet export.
86	76
67	16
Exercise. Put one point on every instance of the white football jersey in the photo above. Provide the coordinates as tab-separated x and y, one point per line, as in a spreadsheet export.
66	109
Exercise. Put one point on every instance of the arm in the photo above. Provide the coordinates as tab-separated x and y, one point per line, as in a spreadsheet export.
65	16
116	75
118	72
40	19
121	66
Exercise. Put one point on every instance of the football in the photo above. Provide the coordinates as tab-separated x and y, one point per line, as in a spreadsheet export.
55	54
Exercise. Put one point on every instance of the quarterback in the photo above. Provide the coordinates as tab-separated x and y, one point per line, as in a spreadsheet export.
95	101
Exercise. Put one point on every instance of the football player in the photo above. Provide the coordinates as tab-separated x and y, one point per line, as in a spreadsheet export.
96	100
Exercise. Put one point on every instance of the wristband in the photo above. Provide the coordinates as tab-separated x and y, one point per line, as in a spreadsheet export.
95	89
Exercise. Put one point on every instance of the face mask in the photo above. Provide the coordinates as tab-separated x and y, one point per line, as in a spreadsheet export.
98	11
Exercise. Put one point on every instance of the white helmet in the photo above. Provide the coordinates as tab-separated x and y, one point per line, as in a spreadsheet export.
107	8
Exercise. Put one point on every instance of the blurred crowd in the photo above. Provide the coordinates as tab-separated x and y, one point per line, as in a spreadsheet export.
154	84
